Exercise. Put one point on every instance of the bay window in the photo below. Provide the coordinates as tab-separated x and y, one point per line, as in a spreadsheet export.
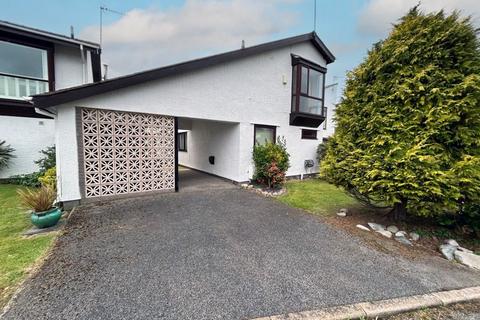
23	70
308	84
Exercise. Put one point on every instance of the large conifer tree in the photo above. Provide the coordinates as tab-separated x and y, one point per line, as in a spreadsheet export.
408	127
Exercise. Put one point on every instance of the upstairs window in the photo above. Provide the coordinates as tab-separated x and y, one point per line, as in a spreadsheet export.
23	70
308	84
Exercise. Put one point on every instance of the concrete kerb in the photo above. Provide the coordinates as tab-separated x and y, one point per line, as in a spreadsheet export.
384	308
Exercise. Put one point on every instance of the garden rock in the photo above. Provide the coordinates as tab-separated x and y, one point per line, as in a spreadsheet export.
452	242
341	214
401	234
403	240
385	233
359	226
376	226
414	236
392	229
343	210
469	259
448	251
464	249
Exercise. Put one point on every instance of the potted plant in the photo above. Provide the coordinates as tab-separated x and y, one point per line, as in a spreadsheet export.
40	201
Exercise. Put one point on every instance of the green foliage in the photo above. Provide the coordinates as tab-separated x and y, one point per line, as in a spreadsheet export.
322	150
408	127
46	171
27	180
48	159
271	162
49	178
6	154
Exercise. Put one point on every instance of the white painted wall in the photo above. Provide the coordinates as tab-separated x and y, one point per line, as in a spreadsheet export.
218	139
67	155
27	136
69	70
247	91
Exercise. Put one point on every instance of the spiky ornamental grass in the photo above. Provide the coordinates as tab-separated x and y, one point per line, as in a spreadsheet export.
408	127
6	154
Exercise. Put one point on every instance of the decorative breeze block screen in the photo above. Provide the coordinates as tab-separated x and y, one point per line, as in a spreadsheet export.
127	152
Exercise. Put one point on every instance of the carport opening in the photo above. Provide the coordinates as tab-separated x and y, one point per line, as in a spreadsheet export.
208	153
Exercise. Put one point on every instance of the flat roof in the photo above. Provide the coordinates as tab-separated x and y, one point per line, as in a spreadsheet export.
44	35
54	98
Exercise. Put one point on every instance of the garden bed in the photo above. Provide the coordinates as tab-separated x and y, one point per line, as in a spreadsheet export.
325	200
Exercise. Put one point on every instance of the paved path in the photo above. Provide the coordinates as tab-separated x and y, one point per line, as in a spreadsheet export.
214	254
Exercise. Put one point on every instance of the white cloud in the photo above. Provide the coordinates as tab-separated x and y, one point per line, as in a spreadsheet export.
378	16
149	38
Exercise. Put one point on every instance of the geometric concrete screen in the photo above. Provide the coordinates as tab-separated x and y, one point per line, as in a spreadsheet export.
126	152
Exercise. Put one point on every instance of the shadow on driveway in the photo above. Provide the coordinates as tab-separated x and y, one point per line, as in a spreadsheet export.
214	254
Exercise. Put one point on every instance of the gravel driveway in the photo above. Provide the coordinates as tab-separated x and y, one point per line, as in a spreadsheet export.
214	254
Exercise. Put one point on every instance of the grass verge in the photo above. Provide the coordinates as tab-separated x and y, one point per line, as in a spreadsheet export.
17	253
317	196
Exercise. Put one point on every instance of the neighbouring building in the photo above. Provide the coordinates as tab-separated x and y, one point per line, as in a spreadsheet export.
126	135
33	61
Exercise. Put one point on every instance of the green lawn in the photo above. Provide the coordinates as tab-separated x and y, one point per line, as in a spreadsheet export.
317	196
17	253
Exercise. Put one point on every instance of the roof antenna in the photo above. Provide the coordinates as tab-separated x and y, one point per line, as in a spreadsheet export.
72	35
314	15
243	44
105	9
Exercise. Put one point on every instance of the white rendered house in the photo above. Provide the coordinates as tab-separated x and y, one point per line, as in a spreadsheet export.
126	135
33	61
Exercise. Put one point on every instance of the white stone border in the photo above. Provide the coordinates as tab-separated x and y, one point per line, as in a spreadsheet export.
384	308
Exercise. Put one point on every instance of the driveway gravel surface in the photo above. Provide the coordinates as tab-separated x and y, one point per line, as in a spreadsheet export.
214	254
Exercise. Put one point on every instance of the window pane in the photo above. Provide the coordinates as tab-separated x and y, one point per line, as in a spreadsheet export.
309	134
294	79
309	105
3	88
21	60
325	121
11	92
22	87
264	135
304	80
182	141
315	84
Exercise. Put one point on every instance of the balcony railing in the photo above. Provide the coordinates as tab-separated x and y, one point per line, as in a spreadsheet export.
17	87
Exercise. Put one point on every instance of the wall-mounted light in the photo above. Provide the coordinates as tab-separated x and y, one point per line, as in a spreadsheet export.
284	79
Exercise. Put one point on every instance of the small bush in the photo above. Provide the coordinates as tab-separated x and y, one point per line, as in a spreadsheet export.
38	200
6	154
48	159
28	180
322	150
49	178
271	163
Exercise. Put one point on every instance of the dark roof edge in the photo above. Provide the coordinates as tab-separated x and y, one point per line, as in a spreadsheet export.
45	35
83	91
